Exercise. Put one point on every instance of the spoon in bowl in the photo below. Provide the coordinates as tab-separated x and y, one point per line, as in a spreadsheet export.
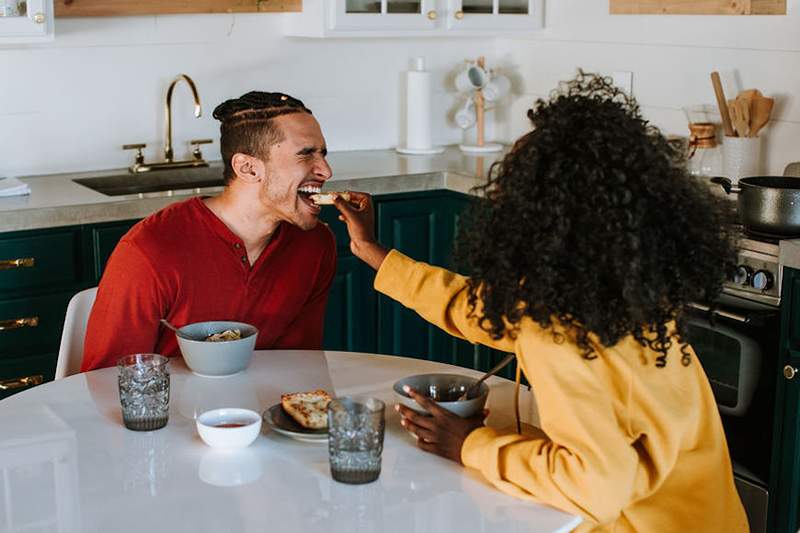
494	370
170	326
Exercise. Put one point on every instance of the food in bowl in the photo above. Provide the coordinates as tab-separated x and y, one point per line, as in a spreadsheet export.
444	389
309	409
227	335
229	427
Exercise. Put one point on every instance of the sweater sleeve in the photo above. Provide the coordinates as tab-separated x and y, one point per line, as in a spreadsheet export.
125	316
437	295
584	462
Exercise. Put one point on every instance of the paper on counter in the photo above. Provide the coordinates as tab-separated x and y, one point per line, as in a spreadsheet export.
13	187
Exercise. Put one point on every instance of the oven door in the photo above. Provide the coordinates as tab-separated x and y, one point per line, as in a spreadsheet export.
737	344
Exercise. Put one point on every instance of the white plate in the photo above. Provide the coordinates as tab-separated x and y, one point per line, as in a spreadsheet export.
277	419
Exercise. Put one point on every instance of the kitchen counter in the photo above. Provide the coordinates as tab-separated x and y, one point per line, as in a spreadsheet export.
56	200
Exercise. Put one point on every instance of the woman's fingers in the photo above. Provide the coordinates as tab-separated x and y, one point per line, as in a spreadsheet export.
417	418
422	433
431	406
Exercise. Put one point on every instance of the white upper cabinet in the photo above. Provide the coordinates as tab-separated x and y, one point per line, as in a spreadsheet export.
24	21
427	18
498	15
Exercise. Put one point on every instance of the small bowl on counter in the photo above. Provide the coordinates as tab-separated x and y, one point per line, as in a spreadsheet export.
229	427
444	389
216	358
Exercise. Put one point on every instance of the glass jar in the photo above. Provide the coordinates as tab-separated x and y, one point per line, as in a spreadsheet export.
705	158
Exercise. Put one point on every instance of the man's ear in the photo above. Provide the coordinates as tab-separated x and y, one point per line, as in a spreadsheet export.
247	168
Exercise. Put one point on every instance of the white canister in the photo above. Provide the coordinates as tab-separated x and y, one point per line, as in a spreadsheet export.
740	157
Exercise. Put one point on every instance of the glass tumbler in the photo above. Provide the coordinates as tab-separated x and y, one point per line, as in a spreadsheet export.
355	438
144	391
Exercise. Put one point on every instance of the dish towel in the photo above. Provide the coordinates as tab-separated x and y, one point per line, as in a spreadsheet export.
13	187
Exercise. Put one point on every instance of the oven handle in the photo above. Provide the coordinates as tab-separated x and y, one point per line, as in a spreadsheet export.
719	312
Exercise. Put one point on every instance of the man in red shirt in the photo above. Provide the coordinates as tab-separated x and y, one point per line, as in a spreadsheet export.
256	253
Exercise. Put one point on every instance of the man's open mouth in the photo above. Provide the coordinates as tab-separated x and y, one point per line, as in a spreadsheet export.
305	191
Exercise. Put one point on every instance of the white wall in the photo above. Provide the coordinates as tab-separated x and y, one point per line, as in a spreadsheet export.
70	105
671	58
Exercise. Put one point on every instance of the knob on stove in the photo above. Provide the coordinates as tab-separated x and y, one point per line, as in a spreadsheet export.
742	275
762	280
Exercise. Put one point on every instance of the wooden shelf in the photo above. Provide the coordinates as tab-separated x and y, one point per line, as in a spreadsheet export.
110	8
697	7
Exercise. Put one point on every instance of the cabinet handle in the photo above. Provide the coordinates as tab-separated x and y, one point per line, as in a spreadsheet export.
38	18
16	323
459	14
22	262
18	383
789	372
432	14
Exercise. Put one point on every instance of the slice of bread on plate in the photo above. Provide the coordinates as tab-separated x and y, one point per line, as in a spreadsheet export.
309	409
328	197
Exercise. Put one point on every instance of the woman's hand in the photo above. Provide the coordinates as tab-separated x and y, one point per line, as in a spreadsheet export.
442	433
359	215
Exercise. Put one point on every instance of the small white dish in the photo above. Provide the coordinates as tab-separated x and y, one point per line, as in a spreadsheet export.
229	427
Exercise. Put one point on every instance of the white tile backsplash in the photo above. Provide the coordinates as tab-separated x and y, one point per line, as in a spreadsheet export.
71	104
671	58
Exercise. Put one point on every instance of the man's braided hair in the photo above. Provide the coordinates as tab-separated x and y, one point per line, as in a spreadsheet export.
246	124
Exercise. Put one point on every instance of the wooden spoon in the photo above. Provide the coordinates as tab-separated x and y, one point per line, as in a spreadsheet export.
760	110
722	104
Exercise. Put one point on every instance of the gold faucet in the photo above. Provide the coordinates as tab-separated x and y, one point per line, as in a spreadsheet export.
169	161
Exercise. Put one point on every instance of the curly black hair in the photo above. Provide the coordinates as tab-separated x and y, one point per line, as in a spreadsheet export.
592	222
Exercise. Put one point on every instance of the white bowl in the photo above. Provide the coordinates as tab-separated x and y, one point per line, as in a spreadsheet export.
215	427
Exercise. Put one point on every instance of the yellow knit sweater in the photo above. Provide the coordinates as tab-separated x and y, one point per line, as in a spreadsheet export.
626	445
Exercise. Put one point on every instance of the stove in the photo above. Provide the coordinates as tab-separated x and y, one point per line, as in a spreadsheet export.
758	272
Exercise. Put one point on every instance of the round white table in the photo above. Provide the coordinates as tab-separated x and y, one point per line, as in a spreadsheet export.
67	463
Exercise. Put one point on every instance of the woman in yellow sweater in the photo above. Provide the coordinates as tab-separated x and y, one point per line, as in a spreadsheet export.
589	242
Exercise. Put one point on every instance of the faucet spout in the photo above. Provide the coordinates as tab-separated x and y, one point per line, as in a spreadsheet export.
168	152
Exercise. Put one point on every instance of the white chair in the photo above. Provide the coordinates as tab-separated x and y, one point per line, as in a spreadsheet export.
71	351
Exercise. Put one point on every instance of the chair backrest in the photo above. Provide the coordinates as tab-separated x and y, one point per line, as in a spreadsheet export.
70	353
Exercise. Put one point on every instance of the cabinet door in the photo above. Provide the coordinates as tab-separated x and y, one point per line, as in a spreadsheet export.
424	229
40	260
17	375
32	325
785	473
466	15
104	239
349	15
350	322
26	21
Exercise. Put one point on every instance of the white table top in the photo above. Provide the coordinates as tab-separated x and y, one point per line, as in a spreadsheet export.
68	464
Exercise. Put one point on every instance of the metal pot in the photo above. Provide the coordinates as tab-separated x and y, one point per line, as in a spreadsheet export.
767	204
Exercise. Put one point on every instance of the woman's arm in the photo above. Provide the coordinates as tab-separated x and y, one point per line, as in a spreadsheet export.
437	295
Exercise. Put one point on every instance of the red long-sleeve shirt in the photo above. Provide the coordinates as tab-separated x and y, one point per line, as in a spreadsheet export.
183	264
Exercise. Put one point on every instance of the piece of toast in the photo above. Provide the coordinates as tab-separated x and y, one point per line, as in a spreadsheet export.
309	409
328	197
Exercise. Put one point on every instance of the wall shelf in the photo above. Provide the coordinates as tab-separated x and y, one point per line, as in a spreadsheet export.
697	7
110	8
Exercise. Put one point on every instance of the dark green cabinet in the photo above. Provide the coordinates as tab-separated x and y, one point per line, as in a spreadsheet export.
66	260
785	472
40	271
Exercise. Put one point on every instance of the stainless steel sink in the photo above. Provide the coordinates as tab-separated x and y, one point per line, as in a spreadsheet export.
155	181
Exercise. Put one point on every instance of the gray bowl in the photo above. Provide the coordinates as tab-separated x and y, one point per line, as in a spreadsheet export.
445	389
222	358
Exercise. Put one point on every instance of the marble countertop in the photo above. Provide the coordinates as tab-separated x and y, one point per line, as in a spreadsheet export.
56	200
